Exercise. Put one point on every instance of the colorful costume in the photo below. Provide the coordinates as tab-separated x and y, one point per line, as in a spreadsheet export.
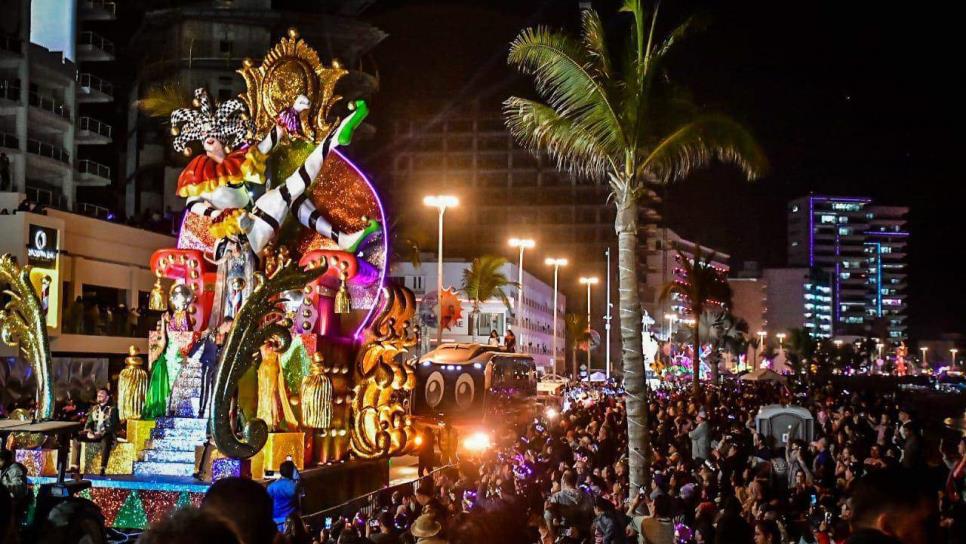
273	404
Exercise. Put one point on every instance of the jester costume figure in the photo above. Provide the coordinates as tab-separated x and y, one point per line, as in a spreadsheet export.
221	218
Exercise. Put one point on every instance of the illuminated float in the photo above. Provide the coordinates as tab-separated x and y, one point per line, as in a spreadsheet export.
279	339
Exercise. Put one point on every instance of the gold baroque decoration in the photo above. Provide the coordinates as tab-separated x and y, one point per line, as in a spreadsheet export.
23	323
241	351
290	69
381	426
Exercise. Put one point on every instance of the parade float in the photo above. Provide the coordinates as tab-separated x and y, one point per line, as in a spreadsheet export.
279	339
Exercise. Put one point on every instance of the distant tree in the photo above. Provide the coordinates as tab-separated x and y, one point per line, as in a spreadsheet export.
577	331
482	281
701	287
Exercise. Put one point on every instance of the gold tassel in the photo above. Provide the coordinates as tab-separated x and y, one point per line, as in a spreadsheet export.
156	301
342	303
132	387
316	396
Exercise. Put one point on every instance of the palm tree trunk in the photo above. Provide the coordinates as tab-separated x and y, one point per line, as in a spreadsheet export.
696	360
632	358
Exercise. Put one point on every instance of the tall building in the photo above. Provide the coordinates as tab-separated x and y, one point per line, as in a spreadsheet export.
202	44
505	192
663	265
534	333
52	136
861	245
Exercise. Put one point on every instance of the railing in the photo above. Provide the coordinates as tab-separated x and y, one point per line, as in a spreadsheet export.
11	44
48	103
48	150
10	89
9	141
366	503
96	41
93	210
90	124
101	5
90	167
48	197
93	82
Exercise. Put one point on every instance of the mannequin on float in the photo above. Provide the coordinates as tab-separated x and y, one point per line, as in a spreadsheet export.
221	218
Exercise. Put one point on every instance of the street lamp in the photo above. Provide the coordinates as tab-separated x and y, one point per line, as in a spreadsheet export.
761	346
952	363
523	244
556	264
440	202
671	318
588	282
924	350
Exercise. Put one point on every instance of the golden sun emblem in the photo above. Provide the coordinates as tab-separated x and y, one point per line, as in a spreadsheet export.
290	69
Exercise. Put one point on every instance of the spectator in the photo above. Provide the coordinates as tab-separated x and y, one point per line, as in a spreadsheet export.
13	480
285	493
700	441
426	530
385	532
189	526
244	506
894	506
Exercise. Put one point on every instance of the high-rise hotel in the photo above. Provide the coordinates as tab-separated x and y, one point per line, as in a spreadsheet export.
860	249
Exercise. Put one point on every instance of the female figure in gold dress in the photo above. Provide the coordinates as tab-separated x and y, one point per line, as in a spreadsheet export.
273	404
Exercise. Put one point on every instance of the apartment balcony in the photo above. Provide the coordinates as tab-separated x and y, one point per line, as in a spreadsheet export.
90	131
94	90
97	10
9	91
9	142
93	174
11	47
92	47
53	153
50	109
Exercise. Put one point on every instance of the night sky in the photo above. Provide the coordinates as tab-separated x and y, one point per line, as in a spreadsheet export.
845	97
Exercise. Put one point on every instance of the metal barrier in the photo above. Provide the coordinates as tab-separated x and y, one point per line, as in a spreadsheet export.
10	89
367	503
48	103
91	81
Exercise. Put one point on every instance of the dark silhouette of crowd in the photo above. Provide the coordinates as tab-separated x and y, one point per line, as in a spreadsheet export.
869	475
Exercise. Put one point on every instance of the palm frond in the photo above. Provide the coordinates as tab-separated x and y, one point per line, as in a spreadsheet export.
161	100
563	76
595	42
692	24
695	144
484	280
539	127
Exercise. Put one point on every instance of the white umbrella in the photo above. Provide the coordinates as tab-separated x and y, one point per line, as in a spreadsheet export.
764	375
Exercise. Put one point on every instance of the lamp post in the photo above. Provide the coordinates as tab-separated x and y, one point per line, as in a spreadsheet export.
781	347
761	346
588	282
924	349
440	202
607	318
556	264
671	318
952	362
523	244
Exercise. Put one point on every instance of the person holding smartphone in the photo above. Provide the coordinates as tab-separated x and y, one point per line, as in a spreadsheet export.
382	530
286	494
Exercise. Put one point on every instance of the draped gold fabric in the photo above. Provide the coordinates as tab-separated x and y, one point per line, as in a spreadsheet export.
317	396
132	387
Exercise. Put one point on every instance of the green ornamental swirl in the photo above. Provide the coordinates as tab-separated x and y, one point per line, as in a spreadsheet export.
241	350
23	323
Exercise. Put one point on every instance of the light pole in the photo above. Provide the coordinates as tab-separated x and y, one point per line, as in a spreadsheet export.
556	264
781	347
607	320
523	244
588	282
761	346
671	318
952	362
924	350
879	362
440	202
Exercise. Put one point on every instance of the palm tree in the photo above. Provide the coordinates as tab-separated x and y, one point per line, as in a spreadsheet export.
612	119
409	241
701	286
483	280
726	333
577	331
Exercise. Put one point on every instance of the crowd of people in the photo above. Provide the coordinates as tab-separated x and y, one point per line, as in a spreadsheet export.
867	475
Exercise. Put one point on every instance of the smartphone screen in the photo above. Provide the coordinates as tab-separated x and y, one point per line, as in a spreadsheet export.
328	523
